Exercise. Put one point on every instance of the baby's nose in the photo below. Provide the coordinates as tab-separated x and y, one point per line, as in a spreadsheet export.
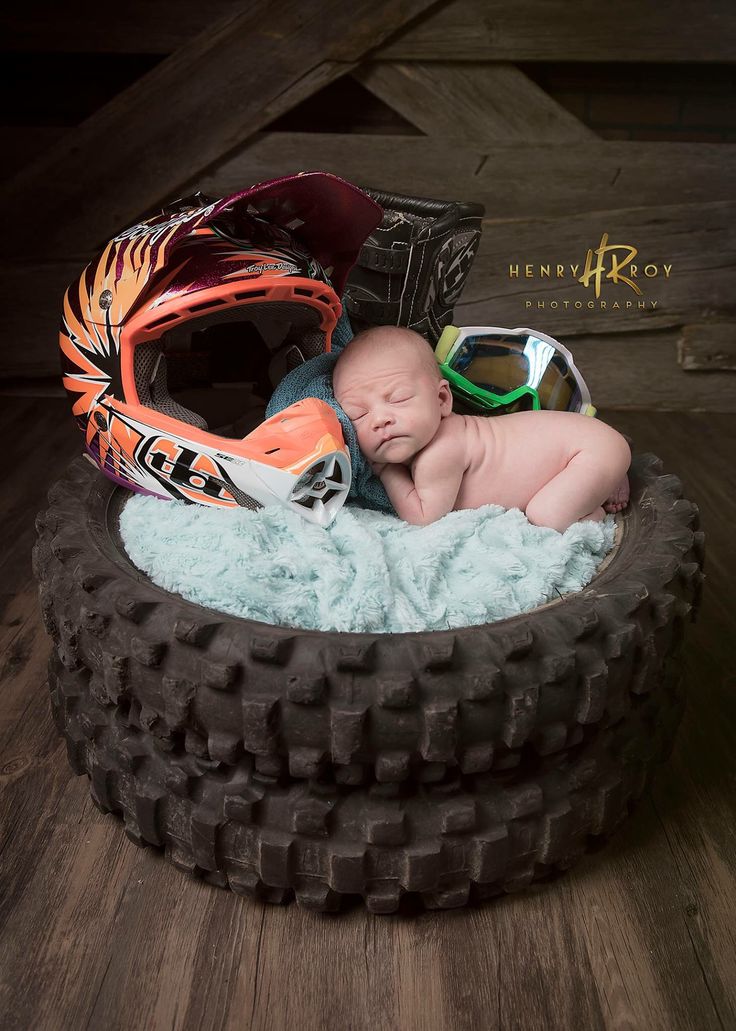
381	418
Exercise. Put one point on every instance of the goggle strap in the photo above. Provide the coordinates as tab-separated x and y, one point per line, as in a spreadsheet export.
444	345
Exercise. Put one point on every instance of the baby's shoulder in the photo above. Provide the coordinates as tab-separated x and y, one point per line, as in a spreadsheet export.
452	432
452	425
449	444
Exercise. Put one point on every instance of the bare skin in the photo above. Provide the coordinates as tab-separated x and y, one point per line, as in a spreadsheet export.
619	498
556	467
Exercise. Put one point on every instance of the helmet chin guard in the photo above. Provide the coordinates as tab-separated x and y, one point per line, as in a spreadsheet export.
277	256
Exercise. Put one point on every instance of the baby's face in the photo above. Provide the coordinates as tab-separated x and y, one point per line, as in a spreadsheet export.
393	403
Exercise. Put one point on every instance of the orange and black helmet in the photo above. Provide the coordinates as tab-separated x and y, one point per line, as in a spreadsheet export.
283	247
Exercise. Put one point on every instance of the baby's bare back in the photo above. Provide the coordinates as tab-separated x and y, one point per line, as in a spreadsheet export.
511	457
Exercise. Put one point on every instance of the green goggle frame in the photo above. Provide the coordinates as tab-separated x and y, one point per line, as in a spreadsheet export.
486	400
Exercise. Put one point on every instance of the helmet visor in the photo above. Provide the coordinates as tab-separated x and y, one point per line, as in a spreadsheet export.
501	364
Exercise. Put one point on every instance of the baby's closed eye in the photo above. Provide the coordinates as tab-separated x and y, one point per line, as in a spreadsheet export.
355	415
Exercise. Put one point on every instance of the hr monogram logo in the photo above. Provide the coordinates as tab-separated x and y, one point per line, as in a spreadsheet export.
616	266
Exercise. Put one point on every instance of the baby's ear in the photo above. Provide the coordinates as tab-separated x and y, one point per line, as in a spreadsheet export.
445	398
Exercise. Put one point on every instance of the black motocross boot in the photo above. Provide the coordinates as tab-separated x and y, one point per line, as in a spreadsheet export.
412	269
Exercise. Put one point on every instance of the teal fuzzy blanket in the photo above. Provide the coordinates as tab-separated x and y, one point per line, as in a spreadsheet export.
367	572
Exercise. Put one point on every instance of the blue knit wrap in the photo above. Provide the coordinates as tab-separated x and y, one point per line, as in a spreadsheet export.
314	379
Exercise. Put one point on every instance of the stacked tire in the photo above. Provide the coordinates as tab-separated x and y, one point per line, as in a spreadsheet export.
444	767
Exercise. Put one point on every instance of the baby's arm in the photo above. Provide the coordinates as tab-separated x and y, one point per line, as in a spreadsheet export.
438	473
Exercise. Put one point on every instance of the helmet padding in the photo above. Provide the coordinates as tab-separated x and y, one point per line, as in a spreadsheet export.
151	386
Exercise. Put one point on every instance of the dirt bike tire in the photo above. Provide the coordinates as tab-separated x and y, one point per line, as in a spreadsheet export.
369	707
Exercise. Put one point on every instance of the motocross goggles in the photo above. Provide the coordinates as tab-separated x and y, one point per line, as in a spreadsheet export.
494	371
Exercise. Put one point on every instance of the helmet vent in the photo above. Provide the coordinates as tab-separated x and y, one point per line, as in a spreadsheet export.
164	319
206	304
249	293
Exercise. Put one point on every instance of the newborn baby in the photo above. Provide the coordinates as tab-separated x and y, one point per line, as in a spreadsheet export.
557	467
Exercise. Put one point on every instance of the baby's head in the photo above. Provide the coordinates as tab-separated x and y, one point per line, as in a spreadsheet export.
388	383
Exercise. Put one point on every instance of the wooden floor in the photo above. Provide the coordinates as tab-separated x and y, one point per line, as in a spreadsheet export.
96	933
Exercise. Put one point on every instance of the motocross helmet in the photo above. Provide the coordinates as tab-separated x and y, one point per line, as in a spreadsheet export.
277	256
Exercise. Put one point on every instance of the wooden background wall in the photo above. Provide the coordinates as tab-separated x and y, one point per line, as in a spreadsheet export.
211	100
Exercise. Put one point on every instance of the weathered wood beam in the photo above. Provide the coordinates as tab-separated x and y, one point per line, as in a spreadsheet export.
640	370
557	30
516	180
21	144
490	101
511	179
188	112
708	347
466	30
134	27
689	250
624	371
539	207
696	241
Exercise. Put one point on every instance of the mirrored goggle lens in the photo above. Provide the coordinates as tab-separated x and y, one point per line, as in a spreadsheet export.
501	364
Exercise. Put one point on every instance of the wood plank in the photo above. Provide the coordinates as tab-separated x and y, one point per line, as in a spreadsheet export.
100	183
624	372
21	144
135	27
607	181
639	371
517	180
28	426
555	30
696	242
25	652
708	347
467	30
487	101
697	449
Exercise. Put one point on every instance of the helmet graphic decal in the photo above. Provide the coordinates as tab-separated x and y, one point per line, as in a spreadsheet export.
112	440
96	305
266	242
89	362
198	476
